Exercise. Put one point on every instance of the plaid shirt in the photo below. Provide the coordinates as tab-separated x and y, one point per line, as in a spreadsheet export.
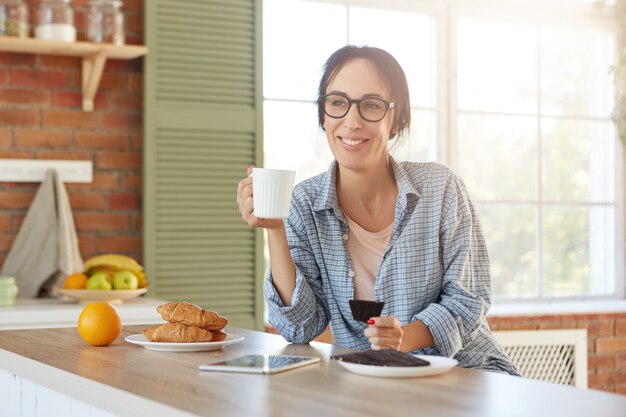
436	268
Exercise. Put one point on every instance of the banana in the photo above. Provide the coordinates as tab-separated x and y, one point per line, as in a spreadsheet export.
113	261
143	280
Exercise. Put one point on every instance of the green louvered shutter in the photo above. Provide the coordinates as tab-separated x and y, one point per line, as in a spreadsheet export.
203	124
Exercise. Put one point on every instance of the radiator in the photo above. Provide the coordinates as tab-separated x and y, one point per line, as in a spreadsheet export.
558	356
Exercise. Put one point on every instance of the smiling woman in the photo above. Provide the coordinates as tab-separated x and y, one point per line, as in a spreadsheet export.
371	228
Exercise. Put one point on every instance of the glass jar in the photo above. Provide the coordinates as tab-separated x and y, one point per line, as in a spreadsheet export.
8	291
54	20
13	18
105	22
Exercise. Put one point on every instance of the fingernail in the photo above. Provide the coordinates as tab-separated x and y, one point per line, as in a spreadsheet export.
370	321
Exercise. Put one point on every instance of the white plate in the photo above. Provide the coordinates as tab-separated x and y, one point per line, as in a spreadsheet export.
140	339
88	296
438	365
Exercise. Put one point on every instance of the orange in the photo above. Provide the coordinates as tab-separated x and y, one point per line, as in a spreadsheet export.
99	324
76	281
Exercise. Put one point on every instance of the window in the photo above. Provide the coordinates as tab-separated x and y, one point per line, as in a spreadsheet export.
515	98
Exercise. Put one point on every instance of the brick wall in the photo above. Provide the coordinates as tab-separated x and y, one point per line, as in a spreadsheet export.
41	118
606	335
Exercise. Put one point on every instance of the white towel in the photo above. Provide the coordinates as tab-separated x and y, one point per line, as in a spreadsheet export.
45	249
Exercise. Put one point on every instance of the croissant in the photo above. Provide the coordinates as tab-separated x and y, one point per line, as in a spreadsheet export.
218	336
191	315
177	333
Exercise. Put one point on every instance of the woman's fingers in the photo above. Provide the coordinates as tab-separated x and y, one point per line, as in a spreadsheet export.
244	191
384	333
244	187
384	321
379	343
245	201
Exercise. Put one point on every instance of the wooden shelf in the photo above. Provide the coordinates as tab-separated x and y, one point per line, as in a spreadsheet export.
94	56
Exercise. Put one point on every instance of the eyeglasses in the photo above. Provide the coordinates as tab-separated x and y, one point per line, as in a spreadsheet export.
371	109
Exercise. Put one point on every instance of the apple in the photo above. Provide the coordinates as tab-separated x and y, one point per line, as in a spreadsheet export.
99	281
125	280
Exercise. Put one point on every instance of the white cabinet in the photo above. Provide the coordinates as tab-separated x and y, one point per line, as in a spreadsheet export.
22	398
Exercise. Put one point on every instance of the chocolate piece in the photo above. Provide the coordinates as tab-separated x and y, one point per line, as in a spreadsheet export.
385	357
363	310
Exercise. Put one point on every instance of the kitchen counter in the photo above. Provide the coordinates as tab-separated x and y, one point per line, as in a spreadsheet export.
54	312
128	380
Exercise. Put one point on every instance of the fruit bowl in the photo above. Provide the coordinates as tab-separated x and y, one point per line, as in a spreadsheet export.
111	296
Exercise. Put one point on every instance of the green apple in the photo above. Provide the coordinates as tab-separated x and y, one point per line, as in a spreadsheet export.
99	281
125	280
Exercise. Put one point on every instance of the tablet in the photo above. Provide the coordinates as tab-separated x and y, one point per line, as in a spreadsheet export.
260	364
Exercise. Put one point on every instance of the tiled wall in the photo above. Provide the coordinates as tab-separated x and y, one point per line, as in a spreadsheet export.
41	118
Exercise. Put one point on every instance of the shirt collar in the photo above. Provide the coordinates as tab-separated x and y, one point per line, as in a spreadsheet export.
328	190
328	187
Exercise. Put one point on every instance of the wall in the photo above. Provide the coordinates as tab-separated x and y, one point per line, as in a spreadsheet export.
41	118
606	336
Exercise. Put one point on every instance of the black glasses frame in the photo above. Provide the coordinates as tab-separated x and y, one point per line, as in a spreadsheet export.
388	105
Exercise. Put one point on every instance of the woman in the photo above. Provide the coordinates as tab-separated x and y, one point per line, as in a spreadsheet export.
375	229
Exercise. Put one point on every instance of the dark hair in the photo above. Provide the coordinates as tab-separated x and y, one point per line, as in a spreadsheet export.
388	69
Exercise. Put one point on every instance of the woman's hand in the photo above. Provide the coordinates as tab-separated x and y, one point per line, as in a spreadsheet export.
384	333
246	204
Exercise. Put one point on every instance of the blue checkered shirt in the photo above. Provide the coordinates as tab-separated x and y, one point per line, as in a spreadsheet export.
436	268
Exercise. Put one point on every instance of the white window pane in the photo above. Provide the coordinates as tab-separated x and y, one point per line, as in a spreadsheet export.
510	234
293	139
497	66
298	37
410	38
578	160
497	156
578	251
575	78
421	143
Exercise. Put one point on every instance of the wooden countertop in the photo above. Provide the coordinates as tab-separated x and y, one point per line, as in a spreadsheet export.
129	380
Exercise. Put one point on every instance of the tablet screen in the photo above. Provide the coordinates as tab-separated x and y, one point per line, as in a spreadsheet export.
259	363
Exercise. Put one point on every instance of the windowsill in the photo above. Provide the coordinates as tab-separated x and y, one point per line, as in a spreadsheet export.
561	307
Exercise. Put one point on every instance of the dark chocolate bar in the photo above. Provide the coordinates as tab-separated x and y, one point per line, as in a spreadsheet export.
384	357
363	310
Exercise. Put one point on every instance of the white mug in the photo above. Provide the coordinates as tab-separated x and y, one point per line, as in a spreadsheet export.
271	189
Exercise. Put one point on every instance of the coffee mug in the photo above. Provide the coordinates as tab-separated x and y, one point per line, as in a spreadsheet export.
272	190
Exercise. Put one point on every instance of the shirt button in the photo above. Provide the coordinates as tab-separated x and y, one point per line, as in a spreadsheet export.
345	237
351	274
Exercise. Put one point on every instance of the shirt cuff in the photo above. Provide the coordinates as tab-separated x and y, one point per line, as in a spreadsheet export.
302	301
444	329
